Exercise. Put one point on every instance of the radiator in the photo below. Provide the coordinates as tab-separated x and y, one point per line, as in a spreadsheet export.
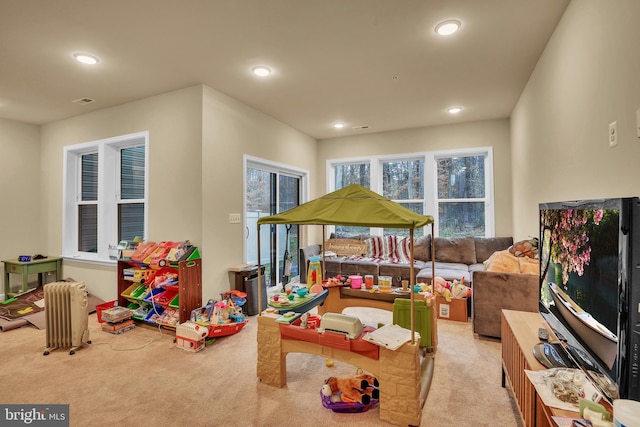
67	323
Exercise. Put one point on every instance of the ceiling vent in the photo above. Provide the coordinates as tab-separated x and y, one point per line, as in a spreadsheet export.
84	101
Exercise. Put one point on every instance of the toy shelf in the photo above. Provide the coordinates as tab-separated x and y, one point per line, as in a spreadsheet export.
184	296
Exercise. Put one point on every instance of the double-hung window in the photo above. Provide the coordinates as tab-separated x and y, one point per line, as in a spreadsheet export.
463	200
455	187
105	196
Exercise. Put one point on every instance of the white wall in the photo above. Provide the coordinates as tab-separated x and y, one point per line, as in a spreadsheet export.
488	133
588	77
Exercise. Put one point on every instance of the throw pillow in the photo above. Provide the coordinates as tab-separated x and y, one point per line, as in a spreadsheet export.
346	247
403	250
381	247
455	249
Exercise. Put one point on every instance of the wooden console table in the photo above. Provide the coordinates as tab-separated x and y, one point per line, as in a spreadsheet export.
519	335
38	266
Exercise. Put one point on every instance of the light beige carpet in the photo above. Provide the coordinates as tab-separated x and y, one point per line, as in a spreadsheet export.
140	378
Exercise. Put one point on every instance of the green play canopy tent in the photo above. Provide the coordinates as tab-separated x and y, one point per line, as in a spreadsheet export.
353	205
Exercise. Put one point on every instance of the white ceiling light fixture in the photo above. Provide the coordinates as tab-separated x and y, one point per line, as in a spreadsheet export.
454	110
86	58
261	71
338	125
446	28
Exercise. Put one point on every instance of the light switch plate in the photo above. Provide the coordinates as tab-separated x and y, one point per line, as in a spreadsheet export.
234	218
613	134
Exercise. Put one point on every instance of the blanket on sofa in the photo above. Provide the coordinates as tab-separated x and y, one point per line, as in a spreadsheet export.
506	262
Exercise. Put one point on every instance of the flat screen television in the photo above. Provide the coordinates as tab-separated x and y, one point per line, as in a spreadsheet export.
590	288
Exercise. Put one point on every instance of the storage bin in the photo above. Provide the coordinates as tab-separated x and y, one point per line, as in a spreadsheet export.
105	306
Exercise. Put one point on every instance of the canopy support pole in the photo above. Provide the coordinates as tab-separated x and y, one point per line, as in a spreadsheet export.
259	276
412	281
324	245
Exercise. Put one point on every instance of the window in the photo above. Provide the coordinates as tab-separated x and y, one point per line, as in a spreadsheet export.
345	175
455	187
403	182
105	196
461	195
270	189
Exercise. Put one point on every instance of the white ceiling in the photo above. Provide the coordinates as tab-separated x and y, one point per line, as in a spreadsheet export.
375	63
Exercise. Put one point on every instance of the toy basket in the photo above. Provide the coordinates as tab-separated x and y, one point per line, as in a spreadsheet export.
346	407
102	307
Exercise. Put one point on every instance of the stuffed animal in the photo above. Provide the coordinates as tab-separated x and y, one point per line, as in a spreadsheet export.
460	290
525	248
361	388
440	285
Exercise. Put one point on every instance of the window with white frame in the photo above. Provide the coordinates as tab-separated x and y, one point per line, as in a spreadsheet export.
345	174
403	182
461	195
105	196
455	187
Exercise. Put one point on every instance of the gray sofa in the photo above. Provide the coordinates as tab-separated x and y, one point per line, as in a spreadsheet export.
455	258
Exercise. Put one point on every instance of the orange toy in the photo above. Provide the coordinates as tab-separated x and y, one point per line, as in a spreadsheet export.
362	388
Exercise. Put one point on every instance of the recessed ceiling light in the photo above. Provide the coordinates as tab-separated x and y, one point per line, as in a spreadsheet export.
261	71
454	110
85	58
338	125
447	28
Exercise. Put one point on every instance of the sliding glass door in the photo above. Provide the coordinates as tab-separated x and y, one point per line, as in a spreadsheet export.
271	190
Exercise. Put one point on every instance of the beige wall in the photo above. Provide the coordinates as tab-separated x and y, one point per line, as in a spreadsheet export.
174	122
489	133
231	130
588	77
20	210
197	139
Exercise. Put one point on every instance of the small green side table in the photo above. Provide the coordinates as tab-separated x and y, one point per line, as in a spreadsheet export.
38	266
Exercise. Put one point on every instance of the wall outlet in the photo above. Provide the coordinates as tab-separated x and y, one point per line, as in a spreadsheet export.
234	218
613	134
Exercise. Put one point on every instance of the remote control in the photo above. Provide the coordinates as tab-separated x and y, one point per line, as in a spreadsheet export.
543	334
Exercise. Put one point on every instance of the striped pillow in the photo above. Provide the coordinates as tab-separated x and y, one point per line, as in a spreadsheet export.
403	250
381	247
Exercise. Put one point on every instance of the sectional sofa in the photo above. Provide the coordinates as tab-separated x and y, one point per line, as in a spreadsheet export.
495	285
456	258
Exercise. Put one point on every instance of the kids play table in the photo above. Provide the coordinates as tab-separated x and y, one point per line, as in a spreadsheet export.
38	266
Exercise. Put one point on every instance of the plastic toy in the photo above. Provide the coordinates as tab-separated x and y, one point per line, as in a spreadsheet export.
362	388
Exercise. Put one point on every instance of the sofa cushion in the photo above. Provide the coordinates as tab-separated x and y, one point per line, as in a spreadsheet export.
455	249
486	246
446	273
476	267
422	248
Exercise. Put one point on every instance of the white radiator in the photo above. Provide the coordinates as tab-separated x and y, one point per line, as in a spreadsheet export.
65	307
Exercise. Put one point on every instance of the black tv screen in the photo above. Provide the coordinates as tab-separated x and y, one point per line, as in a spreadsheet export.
586	282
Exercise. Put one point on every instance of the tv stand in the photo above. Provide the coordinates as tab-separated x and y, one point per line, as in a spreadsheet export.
519	336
